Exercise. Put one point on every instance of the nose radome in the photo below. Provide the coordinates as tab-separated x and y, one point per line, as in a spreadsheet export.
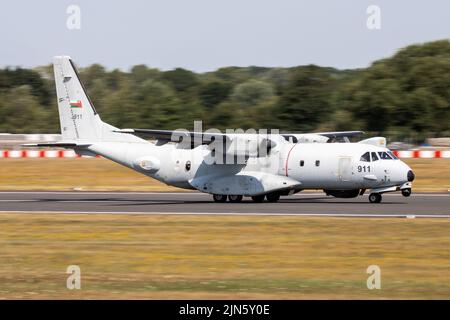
410	176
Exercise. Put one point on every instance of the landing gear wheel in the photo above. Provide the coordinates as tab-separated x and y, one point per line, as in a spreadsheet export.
406	192
273	197
258	199
375	198
235	198
219	198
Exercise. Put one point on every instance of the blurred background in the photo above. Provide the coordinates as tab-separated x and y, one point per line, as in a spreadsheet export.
291	65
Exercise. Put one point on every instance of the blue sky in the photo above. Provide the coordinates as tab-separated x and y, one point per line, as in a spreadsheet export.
203	35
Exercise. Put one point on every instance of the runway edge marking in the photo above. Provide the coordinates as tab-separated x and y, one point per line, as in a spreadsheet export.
350	215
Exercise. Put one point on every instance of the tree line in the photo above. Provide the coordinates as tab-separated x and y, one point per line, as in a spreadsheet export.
406	93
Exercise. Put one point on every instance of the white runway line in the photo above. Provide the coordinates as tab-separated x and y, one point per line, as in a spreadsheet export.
77	201
306	194
350	215
18	200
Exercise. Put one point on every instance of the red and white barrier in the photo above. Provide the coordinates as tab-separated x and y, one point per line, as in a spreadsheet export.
424	154
38	154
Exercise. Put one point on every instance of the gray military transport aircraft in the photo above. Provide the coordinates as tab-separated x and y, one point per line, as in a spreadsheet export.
230	166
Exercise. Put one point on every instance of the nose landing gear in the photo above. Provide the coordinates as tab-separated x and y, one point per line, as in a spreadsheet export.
375	198
406	192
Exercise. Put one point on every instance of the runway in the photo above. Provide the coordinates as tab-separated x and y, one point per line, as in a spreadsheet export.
315	204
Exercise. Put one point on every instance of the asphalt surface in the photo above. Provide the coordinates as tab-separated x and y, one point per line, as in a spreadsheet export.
427	205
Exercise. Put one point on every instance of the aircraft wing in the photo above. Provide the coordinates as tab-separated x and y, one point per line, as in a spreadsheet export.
337	134
235	144
167	134
176	135
208	137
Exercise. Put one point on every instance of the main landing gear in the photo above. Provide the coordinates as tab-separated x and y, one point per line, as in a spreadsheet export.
375	197
271	197
223	198
259	198
235	198
219	198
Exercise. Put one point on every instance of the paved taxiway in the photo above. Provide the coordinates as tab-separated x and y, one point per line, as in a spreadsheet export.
434	205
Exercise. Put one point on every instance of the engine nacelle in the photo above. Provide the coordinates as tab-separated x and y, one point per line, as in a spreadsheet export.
342	193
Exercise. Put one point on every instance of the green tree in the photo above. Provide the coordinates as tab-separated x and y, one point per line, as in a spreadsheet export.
181	79
305	100
21	111
214	92
251	93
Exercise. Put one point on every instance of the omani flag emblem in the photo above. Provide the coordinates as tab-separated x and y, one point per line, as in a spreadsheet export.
75	104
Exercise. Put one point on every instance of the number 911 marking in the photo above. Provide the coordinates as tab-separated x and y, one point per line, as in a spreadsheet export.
363	168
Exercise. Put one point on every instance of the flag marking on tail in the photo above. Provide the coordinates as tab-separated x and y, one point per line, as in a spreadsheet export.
76	104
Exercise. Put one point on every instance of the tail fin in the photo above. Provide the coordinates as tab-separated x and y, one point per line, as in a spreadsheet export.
78	117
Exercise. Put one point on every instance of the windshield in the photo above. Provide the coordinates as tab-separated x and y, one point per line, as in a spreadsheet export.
384	156
375	156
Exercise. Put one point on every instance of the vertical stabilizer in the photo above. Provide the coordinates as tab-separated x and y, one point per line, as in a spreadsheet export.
78	117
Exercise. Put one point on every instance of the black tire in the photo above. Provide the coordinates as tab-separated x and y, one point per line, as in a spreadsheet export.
406	192
375	198
219	198
258	199
273	197
235	198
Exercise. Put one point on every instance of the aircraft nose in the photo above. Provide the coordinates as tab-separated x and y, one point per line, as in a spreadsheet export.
410	175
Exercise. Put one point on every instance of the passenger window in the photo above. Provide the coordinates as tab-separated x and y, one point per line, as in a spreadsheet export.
317	163
384	156
302	163
365	157
374	156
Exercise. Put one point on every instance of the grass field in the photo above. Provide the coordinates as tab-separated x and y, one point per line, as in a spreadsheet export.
175	257
100	174
222	257
89	174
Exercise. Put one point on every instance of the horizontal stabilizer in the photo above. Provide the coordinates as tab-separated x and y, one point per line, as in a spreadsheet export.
60	144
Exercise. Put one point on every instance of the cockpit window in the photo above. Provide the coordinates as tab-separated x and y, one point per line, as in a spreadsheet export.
365	157
384	156
392	155
374	156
